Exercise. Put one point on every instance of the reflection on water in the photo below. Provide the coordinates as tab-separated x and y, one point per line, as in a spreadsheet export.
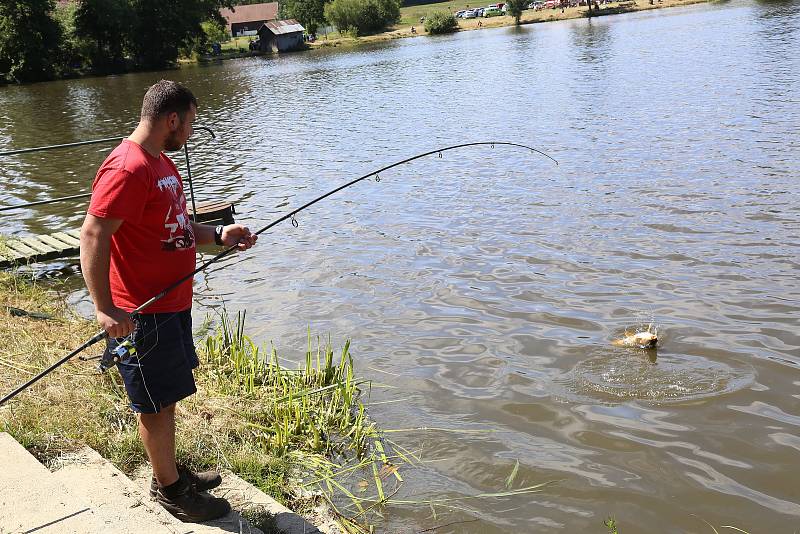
486	286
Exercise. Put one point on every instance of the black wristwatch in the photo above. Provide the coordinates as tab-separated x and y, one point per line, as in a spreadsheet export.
218	235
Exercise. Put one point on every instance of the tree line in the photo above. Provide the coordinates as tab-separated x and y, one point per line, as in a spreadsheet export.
43	40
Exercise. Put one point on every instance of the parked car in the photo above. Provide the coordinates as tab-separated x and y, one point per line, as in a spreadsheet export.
492	12
479	12
470	14
460	14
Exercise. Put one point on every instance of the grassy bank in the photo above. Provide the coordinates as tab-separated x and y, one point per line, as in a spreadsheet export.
268	424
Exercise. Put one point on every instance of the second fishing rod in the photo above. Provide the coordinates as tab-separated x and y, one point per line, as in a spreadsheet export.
127	350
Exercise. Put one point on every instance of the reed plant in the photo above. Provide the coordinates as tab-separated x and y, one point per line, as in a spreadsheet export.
314	408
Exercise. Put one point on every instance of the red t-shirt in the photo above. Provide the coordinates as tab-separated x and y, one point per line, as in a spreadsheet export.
155	245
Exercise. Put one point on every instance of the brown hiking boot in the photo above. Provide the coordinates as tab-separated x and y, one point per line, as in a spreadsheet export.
182	500
203	481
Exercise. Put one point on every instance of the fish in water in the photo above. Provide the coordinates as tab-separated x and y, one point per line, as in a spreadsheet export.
647	339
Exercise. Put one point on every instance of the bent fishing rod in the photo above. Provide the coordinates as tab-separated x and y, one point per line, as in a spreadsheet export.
291	215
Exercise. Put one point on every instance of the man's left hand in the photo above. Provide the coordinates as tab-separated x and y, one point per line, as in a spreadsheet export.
236	234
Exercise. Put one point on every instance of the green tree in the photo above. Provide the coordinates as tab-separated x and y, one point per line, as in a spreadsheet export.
363	16
440	22
515	8
102	30
309	13
30	40
162	28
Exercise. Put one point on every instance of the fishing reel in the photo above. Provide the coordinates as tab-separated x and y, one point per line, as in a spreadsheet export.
120	353
124	350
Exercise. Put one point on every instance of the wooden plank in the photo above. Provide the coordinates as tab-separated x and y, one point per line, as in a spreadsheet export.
206	214
10	254
224	214
34	243
201	212
223	201
74	233
31	249
46	251
21	247
206	211
213	205
68	239
64	239
56	244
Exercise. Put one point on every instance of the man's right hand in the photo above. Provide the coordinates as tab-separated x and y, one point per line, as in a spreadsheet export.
116	322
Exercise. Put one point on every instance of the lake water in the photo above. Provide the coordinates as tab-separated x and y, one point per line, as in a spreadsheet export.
485	287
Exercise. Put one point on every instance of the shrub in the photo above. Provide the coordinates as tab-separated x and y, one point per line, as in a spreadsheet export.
441	22
362	16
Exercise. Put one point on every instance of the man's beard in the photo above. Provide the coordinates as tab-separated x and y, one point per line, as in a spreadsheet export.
172	143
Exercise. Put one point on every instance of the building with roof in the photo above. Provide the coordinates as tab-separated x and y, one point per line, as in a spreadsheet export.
280	36
246	20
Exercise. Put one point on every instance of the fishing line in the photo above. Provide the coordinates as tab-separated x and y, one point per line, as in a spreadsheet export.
291	215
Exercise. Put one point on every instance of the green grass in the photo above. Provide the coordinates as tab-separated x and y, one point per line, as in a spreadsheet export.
238	44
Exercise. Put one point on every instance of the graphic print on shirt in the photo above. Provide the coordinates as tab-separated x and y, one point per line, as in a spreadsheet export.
176	221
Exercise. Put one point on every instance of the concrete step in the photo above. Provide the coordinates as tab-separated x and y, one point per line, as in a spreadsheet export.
245	497
109	491
31	499
129	504
86	494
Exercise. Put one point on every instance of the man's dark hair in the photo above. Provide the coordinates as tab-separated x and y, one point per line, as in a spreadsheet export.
165	97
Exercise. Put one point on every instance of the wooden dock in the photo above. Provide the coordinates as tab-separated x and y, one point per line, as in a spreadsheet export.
25	250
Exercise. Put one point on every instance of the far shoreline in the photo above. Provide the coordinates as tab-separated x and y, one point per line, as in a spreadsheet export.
402	31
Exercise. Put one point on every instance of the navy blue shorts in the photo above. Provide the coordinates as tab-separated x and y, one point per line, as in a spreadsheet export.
160	373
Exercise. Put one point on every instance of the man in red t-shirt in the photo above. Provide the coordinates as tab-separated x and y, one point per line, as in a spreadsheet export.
137	239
